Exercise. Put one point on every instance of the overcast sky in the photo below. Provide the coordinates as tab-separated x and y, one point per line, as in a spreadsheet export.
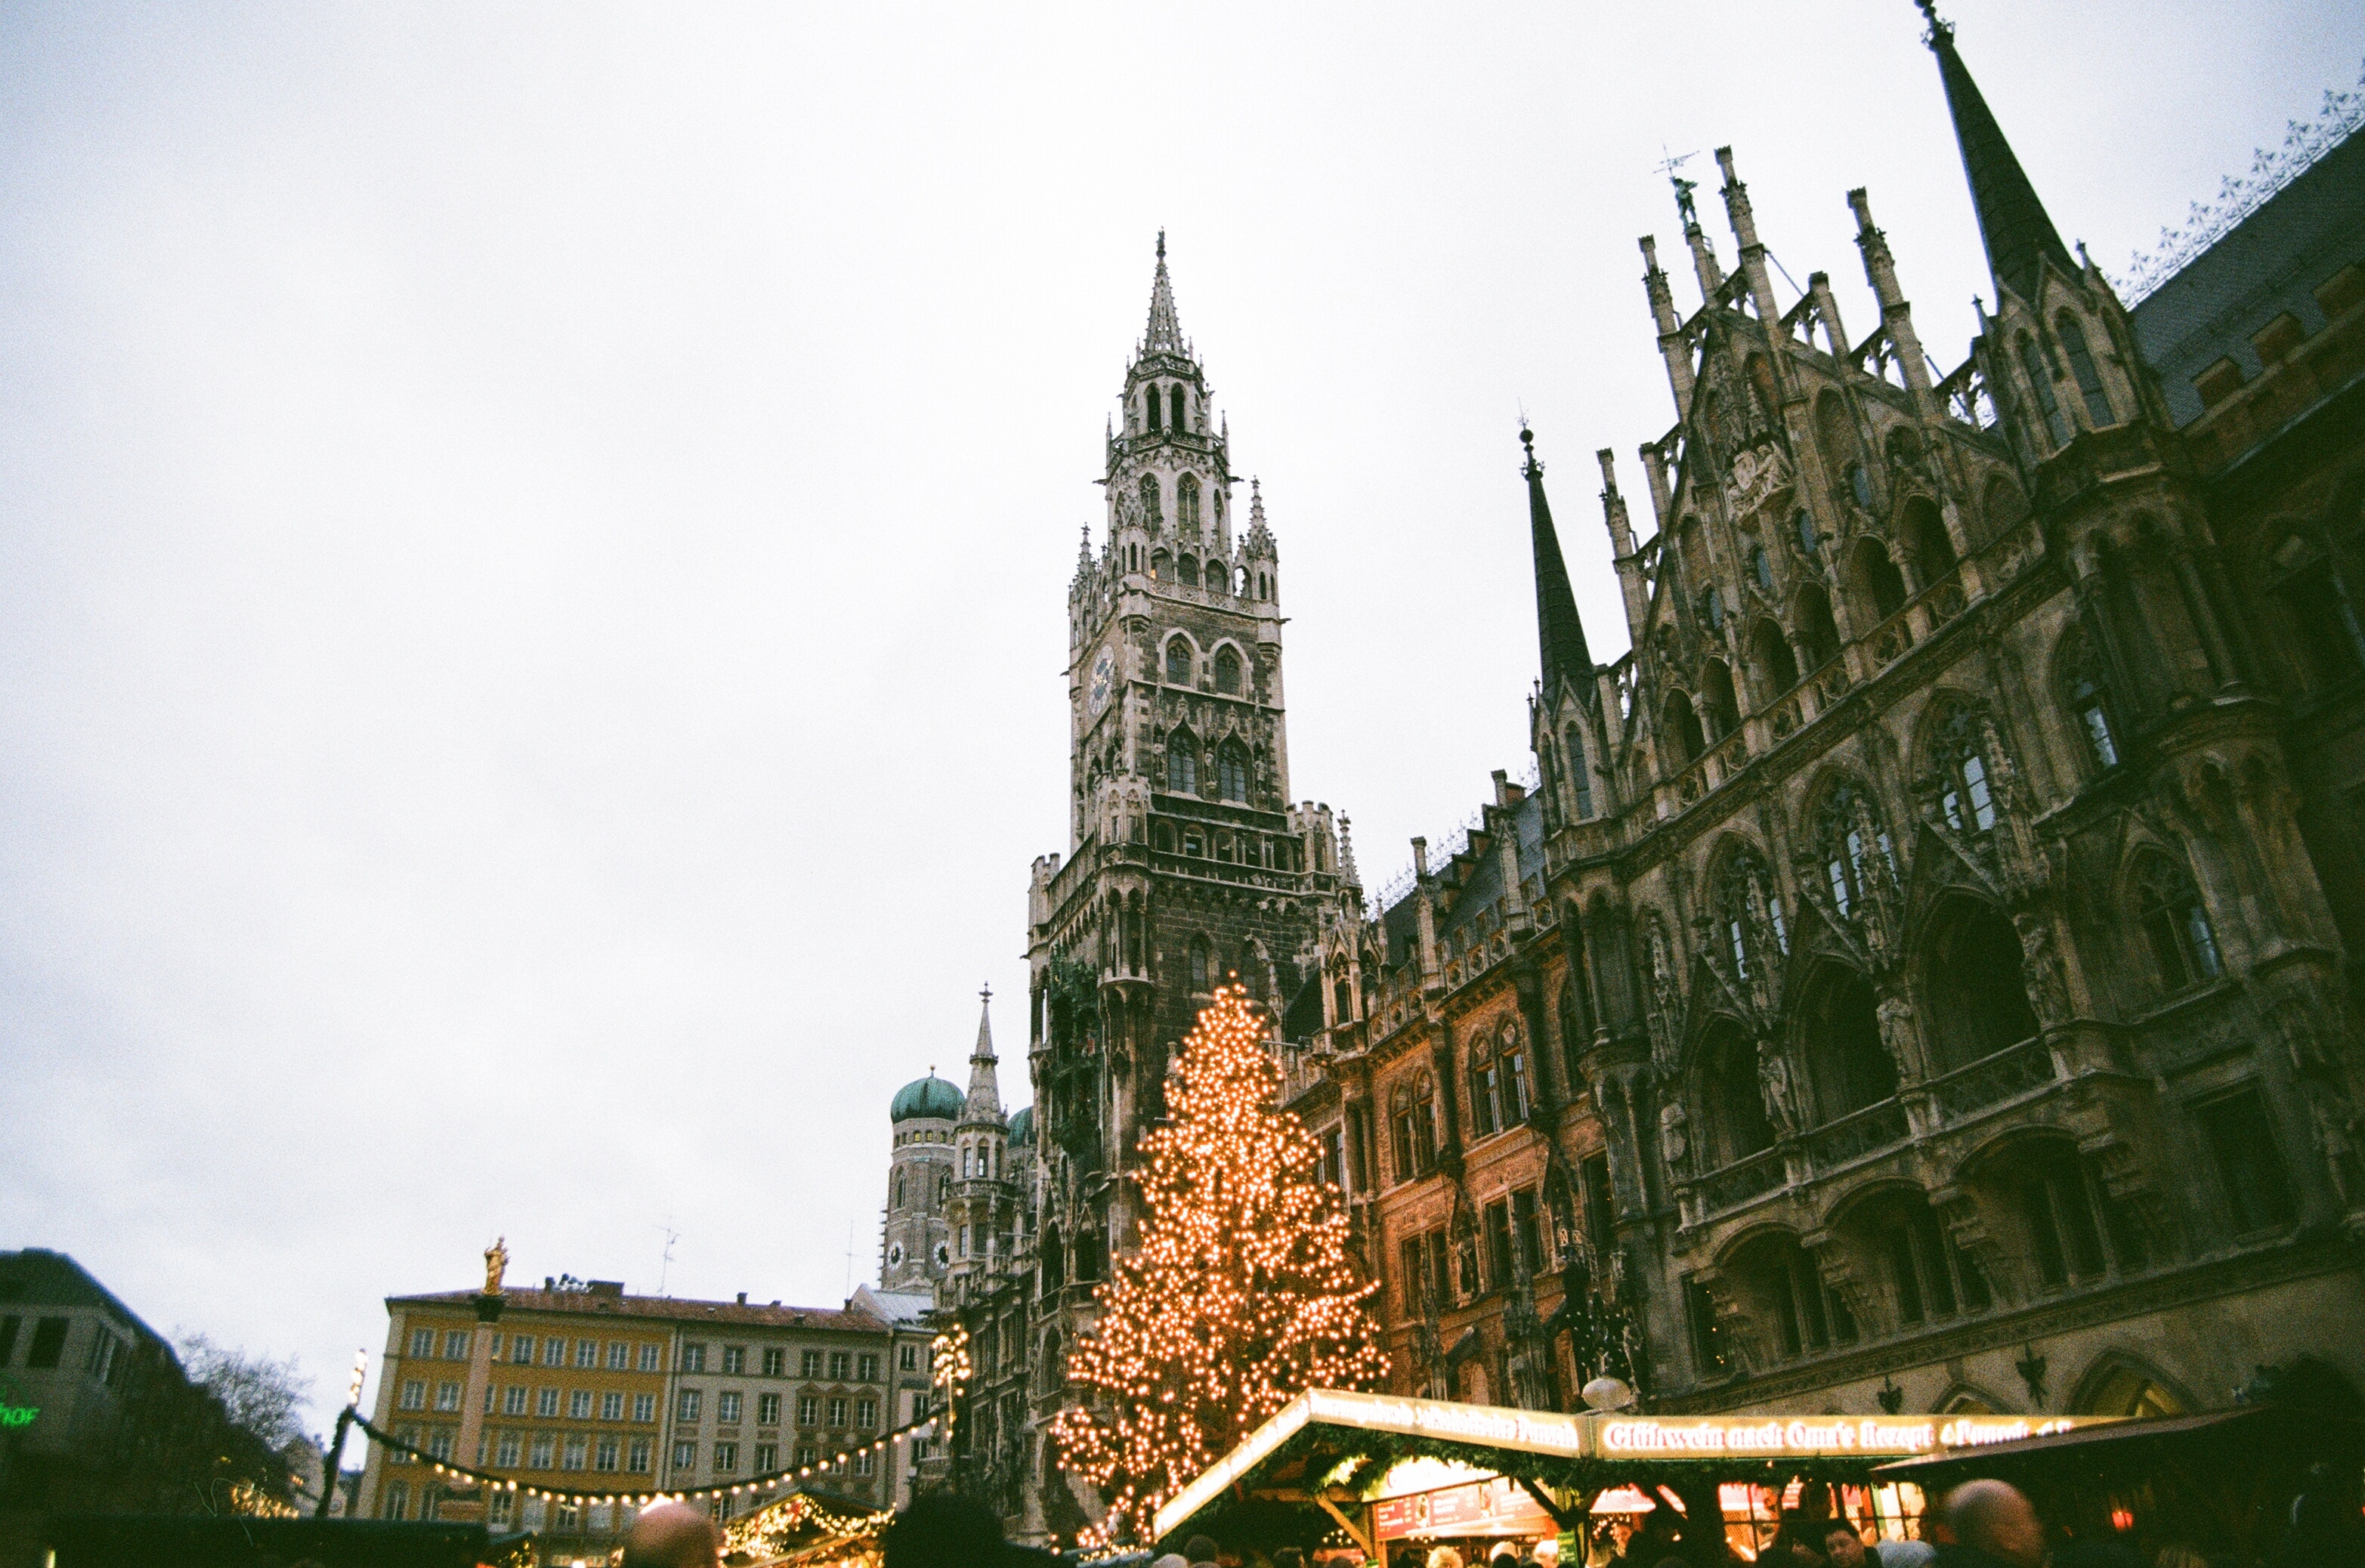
534	542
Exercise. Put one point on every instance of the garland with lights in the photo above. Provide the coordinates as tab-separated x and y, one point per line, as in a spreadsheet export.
765	1482
1240	1295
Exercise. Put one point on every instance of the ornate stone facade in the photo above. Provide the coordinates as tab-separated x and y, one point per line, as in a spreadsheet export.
1915	975
1922	969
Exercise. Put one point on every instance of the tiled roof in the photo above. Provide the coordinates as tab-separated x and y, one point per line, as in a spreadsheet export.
661	1308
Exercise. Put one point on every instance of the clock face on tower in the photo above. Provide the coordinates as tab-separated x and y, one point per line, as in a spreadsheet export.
1103	676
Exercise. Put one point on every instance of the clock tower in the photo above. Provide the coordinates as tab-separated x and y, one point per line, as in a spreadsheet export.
1188	867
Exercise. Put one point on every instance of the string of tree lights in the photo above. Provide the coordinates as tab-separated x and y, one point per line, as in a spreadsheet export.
1240	1295
765	1482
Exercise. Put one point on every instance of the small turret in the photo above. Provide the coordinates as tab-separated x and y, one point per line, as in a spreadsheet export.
1671	347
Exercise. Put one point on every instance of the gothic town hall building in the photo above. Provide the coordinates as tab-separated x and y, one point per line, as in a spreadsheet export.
1917	975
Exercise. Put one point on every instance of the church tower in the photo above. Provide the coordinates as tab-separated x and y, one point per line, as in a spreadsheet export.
982	1216
1189	865
916	1251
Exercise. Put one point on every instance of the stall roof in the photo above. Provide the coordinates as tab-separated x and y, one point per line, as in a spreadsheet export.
2255	1424
1555	1445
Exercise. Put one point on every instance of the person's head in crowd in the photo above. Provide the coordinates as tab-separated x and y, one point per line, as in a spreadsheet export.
672	1535
1995	1518
1843	1545
1288	1557
1200	1548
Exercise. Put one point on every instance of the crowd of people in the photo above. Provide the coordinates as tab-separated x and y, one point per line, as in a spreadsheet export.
1980	1524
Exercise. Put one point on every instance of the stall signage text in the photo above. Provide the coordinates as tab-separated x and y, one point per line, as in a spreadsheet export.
1795	1437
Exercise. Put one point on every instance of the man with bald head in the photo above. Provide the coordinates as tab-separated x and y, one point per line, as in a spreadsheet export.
673	1535
1989	1524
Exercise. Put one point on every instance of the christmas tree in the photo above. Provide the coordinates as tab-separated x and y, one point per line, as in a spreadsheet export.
1240	1295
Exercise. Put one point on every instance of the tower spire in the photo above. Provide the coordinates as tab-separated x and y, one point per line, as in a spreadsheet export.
984	1088
2012	221
1562	634
1165	335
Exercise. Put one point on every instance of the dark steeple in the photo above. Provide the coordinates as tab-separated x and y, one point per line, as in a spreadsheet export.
1562	634
2012	220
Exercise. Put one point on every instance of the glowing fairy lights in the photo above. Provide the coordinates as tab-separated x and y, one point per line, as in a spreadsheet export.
1240	1295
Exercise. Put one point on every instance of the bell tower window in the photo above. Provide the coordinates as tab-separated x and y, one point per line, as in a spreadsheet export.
1186	502
1228	672
1179	422
1153	407
1232	772
1150	514
1178	663
1181	765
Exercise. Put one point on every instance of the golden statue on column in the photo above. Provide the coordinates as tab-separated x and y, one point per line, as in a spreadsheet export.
497	1262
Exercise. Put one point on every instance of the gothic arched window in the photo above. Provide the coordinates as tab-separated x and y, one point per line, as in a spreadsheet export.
1232	771
1152	518
1154	407
1228	671
1877	580
1186	571
1182	763
1412	1126
1723	709
1216	577
1580	781
1925	533
1965	798
1736	1103
1778	669
1818	635
1186	496
1519	1099
2176	925
2040	383
2081	686
1178	661
1485	1089
1199	963
1852	1068
1683	731
1761	567
1161	567
1180	408
1976	989
899	1189
1802	526
2081	365
1749	912
1855	847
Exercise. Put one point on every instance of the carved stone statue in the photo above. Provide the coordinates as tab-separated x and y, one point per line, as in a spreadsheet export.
1896	1016
497	1262
1773	1085
1675	1133
2049	991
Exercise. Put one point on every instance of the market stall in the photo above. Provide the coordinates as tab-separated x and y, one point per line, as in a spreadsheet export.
807	1529
2221	1482
1369	1472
